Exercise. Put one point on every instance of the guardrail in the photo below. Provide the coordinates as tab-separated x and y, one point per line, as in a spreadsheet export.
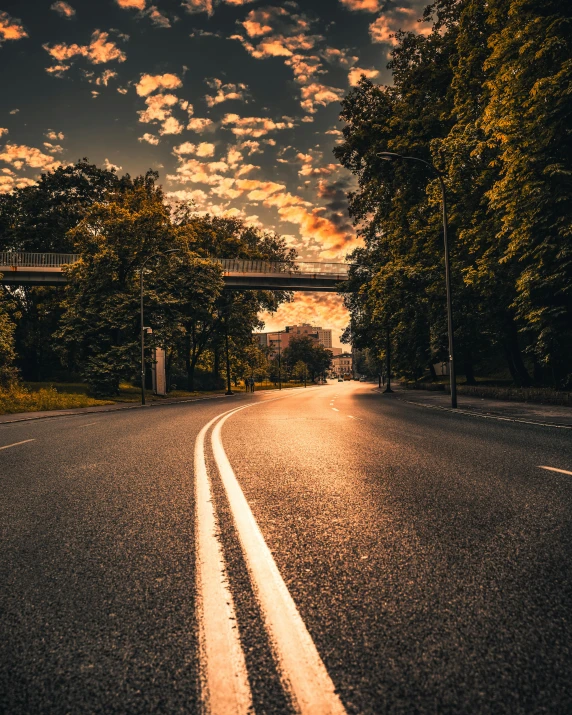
229	265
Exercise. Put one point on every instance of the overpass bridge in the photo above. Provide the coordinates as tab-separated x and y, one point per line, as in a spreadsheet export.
45	269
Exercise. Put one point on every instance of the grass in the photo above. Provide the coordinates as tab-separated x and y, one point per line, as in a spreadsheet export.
19	398
42	396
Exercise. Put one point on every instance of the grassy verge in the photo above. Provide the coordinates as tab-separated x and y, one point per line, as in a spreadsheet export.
21	399
536	395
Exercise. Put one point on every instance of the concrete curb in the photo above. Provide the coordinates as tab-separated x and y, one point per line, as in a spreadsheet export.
470	413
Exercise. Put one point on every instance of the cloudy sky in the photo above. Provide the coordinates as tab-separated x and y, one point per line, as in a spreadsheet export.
234	102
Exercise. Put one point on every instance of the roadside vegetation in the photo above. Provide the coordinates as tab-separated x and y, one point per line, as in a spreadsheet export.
485	97
88	332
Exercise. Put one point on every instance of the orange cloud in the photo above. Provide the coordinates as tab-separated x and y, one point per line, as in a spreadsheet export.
362	5
63	8
99	51
400	18
11	27
20	155
356	73
253	126
319	94
131	4
152	82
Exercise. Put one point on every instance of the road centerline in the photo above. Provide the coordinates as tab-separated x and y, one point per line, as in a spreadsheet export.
224	679
24	441
306	678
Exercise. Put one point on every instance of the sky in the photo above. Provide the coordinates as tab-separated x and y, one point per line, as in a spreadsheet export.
234	102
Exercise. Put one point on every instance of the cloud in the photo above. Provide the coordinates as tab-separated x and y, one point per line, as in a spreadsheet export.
111	167
159	108
204	149
11	28
99	51
252	146
105	77
316	94
53	148
224	92
362	5
383	29
357	73
14	111
341	58
149	138
157	82
253	126
10	182
194	6
171	126
157	17
53	136
131	4
199	124
259	190
3	131
63	8
20	155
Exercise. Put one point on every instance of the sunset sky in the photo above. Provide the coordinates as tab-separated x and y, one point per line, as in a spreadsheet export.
234	102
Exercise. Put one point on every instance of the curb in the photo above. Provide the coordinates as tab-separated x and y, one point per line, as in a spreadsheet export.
480	414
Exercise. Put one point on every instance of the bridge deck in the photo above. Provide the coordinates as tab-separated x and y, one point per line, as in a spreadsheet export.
46	269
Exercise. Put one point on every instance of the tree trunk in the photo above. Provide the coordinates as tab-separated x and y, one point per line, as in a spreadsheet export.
469	372
188	364
432	372
513	354
216	363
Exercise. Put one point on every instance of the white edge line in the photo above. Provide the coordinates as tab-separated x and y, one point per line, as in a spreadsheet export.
486	417
17	443
555	469
224	678
302	669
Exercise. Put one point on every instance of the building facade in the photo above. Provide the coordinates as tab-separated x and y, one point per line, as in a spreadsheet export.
342	365
281	340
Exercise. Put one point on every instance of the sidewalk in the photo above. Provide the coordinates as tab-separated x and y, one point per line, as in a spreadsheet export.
552	415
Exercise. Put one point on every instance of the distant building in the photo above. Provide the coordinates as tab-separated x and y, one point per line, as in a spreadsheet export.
342	365
335	351
281	339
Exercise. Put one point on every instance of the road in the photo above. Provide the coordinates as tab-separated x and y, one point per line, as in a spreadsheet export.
368	556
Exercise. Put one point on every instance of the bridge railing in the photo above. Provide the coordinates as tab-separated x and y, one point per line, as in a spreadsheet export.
231	265
36	260
339	271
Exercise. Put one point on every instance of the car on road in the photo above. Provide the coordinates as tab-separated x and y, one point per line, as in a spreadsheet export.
362	378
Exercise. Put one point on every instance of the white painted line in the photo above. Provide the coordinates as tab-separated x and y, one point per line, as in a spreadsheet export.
88	424
224	679
335	409
303	672
554	469
17	443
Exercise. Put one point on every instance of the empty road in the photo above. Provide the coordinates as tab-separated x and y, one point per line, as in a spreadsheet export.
328	550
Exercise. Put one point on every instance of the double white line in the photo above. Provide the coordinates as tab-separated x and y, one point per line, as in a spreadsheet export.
224	677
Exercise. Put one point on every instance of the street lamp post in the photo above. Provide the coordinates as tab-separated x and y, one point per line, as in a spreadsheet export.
143	328
392	156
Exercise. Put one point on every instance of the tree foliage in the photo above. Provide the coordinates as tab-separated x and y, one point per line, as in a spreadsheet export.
485	98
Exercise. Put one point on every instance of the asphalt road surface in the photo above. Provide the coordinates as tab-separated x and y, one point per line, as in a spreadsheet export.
328	550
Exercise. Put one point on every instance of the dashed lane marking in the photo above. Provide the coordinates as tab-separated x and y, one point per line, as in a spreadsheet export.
17	443
88	424
335	409
555	469
303	672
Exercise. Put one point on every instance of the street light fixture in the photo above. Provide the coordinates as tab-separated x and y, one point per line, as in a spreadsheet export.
392	156
143	328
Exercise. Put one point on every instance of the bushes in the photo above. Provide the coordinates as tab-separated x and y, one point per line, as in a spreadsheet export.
17	398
